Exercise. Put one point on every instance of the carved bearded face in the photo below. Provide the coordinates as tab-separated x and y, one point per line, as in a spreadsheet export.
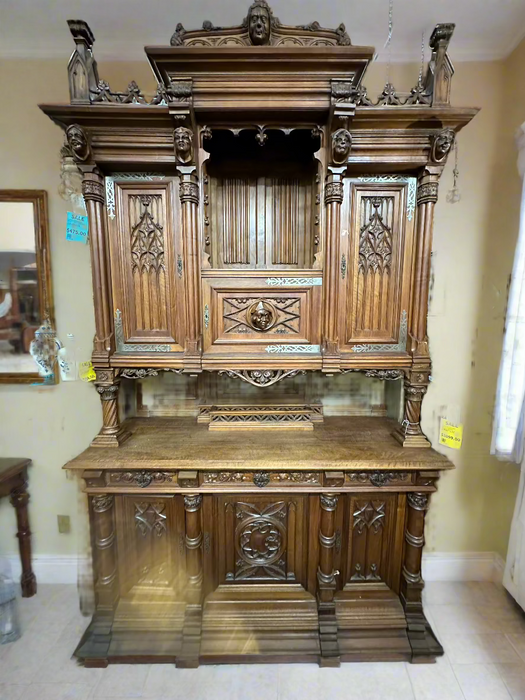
341	145
259	24
77	141
183	144
442	145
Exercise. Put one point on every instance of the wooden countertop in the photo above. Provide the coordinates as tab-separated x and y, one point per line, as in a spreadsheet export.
337	444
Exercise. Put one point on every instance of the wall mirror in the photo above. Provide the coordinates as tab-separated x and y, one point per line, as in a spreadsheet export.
26	300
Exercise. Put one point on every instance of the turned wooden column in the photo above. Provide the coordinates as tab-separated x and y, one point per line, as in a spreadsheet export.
420	635
111	434
106	579
326	583
20	499
410	433
191	634
189	197
94	197
333	199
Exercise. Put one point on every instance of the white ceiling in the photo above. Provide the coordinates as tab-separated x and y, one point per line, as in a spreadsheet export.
485	29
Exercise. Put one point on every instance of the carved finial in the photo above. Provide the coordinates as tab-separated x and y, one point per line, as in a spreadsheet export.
342	37
133	95
259	21
388	96
177	36
78	143
82	67
341	146
183	142
440	68
442	34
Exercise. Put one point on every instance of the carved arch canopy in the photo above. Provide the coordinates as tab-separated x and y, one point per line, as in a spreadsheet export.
261	27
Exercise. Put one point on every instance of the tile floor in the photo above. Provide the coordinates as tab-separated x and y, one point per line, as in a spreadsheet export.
481	628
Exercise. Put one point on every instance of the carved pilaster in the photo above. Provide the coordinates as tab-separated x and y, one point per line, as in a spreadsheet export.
189	197
326	582
111	434
420	635
93	191
334	192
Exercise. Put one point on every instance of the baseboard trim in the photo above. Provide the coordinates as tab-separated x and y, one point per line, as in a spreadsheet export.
437	566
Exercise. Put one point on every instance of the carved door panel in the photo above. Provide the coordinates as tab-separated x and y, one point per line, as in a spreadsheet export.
262	538
151	552
261	314
146	265
376	264
371	536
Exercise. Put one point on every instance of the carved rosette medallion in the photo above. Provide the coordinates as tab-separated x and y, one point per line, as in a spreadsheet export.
427	192
102	503
189	192
192	503
261	479
418	501
333	192
260	541
92	189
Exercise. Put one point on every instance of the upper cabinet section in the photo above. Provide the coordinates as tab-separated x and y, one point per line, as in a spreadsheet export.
262	199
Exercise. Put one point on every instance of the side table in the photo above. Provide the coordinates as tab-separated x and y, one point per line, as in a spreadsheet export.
13	482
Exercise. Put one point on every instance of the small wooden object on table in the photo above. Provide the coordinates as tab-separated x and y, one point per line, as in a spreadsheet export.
13	482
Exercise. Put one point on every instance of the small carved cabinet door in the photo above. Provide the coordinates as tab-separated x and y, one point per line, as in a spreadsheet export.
373	522
146	264
376	264
151	552
261	538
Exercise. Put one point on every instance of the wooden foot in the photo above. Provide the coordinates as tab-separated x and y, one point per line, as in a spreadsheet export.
407	440
93	648
113	439
423	641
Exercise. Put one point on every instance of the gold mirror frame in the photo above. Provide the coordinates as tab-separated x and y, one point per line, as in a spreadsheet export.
43	265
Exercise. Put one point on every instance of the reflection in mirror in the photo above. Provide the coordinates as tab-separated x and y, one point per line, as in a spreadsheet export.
24	281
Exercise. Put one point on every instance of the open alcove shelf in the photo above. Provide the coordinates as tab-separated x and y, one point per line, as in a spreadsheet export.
261	237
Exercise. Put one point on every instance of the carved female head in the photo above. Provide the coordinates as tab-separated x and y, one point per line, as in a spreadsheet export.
259	22
183	140
77	142
341	145
443	142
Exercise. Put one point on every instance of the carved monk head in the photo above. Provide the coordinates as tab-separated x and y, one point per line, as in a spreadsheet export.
443	142
259	22
77	142
341	145
183	140
261	317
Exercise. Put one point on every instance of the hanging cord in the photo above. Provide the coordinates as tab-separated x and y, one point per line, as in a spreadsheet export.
420	79
390	28
454	195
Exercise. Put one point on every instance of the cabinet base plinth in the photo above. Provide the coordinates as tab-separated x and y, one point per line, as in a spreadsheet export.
110	440
411	440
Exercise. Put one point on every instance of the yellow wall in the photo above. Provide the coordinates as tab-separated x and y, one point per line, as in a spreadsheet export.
474	245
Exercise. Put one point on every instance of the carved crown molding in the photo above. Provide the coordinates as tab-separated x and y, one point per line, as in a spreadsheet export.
260	27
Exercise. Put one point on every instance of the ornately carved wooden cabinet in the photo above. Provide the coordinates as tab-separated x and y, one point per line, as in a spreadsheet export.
260	232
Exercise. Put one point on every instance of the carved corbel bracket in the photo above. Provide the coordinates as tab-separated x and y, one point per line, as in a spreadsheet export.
78	145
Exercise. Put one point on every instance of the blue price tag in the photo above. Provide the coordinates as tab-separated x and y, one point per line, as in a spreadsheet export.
77	227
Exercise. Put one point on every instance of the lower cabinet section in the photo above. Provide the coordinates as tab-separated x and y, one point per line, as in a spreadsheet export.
243	577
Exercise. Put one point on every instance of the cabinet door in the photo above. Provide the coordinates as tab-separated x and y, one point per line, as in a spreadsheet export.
261	538
371	554
146	266
376	264
151	550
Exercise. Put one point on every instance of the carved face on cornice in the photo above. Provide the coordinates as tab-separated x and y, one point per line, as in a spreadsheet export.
443	142
259	23
341	145
183	141
77	142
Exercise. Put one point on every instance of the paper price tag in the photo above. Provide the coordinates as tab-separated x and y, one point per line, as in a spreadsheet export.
77	227
86	372
450	435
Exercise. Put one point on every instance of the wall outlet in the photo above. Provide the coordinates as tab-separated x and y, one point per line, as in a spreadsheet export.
64	524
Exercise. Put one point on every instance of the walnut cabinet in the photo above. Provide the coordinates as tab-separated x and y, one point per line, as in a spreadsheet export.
260	218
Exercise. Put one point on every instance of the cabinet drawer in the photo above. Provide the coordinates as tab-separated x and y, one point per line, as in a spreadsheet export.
261	314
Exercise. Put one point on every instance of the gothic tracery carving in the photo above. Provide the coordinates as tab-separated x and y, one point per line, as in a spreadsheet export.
147	240
369	514
375	237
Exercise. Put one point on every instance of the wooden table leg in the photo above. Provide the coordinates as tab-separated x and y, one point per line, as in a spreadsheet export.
20	499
